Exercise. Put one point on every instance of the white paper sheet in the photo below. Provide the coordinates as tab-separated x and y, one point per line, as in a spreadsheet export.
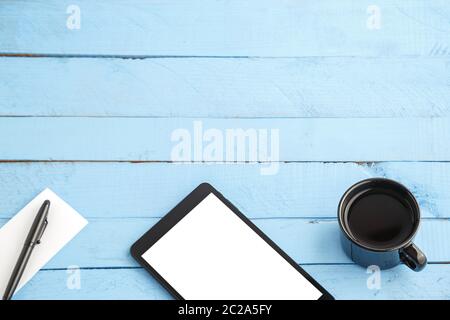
63	224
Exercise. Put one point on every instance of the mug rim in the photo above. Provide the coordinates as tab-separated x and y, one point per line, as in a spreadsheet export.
341	210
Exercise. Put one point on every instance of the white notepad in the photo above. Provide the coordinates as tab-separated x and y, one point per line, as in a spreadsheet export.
63	224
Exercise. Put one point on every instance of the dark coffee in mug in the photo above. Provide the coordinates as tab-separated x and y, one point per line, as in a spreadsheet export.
379	219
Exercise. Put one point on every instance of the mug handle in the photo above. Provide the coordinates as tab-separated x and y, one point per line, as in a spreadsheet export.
413	257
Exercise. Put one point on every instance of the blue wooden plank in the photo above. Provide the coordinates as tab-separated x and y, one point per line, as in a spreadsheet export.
343	281
105	243
228	27
231	88
152	189
154	139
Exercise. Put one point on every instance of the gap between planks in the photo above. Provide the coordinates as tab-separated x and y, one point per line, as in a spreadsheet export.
311	220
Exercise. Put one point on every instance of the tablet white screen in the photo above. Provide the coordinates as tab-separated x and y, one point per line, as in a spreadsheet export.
212	254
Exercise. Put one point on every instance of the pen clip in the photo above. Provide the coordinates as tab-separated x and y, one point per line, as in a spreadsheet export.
38	241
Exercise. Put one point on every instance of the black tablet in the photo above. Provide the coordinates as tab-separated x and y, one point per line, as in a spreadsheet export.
205	249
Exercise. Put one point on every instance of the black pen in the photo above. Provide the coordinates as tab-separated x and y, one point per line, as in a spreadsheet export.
33	238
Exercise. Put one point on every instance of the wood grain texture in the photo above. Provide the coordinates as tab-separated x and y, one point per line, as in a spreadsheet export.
343	281
229	88
151	189
227	28
150	139
105	243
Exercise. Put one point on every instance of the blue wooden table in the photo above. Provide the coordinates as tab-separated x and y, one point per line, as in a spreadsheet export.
91	93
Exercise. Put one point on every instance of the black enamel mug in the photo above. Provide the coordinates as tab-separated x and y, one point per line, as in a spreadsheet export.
379	219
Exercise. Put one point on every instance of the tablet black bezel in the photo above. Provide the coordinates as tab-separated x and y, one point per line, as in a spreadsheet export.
179	212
